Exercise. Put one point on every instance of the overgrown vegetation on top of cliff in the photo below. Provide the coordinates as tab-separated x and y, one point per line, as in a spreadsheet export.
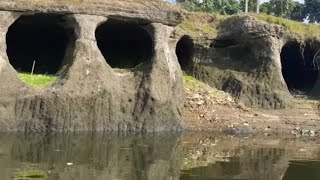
197	23
302	30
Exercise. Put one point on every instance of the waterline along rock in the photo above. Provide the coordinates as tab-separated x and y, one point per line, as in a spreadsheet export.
120	64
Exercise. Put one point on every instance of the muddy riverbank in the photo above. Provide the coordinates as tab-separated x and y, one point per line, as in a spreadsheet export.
208	109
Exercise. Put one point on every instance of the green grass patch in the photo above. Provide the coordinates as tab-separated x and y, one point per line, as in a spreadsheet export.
197	23
192	83
37	80
31	175
300	29
198	86
208	24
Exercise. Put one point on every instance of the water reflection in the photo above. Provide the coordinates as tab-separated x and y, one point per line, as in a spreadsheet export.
190	156
261	163
303	170
255	158
95	156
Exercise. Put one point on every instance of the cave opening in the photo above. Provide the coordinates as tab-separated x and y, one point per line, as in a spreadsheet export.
124	45
299	67
185	52
40	40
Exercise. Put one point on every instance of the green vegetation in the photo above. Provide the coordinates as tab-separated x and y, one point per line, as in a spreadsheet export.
31	175
297	28
197	23
288	9
193	84
37	80
221	7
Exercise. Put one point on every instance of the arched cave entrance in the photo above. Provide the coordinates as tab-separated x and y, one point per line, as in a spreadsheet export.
185	51
42	38
299	68
123	44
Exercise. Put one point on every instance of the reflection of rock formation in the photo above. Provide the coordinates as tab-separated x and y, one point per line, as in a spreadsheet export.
303	170
264	164
109	156
261	163
254	158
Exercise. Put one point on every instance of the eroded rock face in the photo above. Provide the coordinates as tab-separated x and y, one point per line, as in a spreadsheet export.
244	60
132	10
90	95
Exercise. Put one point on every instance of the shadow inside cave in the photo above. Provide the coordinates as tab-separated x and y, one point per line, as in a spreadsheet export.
39	38
300	68
123	44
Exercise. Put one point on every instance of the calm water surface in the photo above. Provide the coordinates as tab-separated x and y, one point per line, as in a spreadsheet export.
188	156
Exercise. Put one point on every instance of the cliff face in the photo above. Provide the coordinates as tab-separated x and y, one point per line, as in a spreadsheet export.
246	58
89	94
155	11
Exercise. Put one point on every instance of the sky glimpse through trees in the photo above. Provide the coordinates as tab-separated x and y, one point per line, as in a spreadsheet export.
297	10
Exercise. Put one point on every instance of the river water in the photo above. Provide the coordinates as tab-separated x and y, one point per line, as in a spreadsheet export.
187	156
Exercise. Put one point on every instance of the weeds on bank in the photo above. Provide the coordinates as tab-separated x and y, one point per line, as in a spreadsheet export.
196	85
31	175
298	28
37	80
197	23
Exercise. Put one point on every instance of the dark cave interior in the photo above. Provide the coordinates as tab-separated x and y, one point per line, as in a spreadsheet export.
299	69
185	52
123	44
41	38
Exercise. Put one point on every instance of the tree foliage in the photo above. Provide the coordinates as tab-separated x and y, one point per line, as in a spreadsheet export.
289	9
252	5
217	6
312	10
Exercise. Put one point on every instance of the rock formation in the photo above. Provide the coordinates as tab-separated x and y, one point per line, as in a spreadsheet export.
89	94
246	58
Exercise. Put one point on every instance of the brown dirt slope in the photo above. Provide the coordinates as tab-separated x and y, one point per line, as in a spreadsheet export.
208	109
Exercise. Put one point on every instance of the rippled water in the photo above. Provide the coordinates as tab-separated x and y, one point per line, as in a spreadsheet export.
188	156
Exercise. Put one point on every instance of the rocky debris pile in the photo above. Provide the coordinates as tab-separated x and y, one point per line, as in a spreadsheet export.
209	108
203	99
200	95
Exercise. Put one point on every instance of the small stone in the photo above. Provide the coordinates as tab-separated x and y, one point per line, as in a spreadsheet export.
312	132
305	132
196	96
229	99
200	103
69	164
302	149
